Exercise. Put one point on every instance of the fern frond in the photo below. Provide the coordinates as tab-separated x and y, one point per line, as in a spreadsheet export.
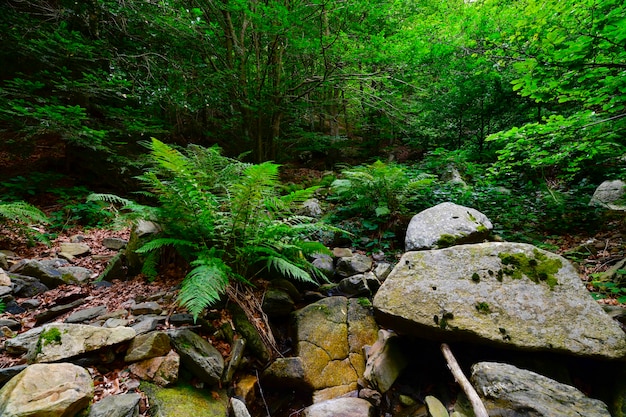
109	198
204	285
288	269
161	242
150	265
20	211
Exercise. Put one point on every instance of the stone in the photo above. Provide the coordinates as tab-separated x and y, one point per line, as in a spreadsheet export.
4	264
122	405
162	370
114	243
236	356
331	334
245	388
51	313
610	194
342	252
340	407
359	285
185	400
238	408
86	314
385	361
117	322
7	373
522	392
149	307
509	294
445	225
452	175
11	324
147	346
59	341
146	324
254	340
435	407
312	208
23	342
75	274
324	263
25	286
50	277
285	372
382	270
353	265
75	249
59	389
5	280
198	356
277	303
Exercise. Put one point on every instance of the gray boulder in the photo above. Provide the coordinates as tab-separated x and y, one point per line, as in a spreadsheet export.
445	225
60	389
50	277
352	265
198	356
510	294
510	391
147	346
340	407
609	194
385	361
57	341
124	405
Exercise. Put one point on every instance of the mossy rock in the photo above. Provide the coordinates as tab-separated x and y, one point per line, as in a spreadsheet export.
185	400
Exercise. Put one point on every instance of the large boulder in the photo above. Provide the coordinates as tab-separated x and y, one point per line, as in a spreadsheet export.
185	400
198	356
510	294
444	225
331	334
57	341
609	194
59	389
507	390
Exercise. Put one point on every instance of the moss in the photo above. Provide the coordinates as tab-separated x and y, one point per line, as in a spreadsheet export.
49	336
483	307
539	268
446	241
475	277
482	229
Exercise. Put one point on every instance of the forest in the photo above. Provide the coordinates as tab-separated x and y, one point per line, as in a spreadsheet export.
146	103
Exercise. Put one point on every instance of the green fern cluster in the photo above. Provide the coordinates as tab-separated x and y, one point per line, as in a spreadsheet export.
228	218
20	216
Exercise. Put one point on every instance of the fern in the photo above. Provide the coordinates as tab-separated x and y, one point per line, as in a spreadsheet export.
204	285
159	243
21	212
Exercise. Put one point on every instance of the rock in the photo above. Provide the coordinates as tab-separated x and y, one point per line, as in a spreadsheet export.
51	313
521	392
75	248
359	285
325	263
312	208
162	370
444	225
60	389
372	396
11	324
122	405
385	361
285	372
4	264
87	314
340	407
254	340
24	286
238	408
23	342
198	356
5	280
146	227
59	341
117	322
114	243
355	264
146	324
5	290
185	400
510	294
610	194
8	373
236	355
382	270
50	277
147	346
75	274
245	388
331	334
452	175
342	253
435	407
149	307
277	303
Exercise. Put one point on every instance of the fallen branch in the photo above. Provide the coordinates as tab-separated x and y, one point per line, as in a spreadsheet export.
472	395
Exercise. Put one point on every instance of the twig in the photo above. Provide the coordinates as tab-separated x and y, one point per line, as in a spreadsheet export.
267	409
472	395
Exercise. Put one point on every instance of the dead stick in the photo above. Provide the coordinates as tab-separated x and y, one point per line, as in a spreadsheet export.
472	395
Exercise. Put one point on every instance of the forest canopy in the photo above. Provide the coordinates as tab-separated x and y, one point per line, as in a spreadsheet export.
536	88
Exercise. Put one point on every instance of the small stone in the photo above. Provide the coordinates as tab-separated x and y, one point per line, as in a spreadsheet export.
31	304
115	322
5	280
114	243
149	307
342	252
86	315
75	249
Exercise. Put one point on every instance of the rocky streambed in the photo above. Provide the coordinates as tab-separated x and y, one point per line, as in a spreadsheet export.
518	319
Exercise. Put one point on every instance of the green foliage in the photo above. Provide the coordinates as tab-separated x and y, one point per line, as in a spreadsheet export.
613	288
20	216
228	219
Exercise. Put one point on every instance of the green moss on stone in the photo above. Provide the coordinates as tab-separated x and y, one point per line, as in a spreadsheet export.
483	307
482	229
475	277
49	336
539	268
446	241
